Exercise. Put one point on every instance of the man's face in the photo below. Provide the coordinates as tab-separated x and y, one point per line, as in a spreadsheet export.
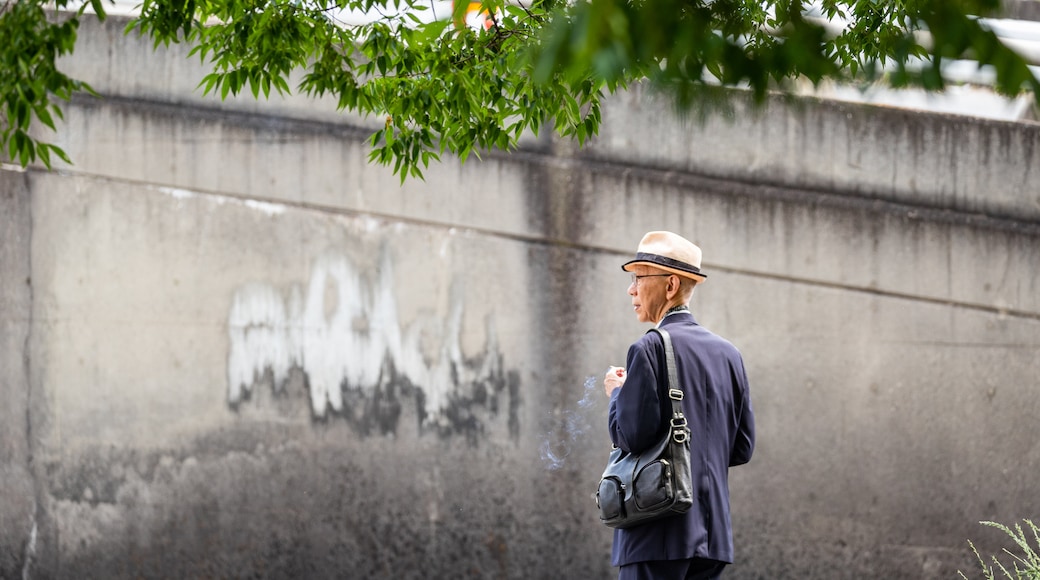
649	293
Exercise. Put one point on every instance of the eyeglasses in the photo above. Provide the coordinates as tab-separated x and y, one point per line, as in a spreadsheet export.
636	278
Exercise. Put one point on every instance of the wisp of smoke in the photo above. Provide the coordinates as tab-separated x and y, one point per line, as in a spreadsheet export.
575	425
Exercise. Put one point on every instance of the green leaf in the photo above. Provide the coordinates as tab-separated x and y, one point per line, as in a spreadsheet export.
254	86
99	10
44	154
60	153
44	117
208	82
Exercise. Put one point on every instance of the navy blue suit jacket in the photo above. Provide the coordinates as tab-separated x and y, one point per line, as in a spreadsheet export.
717	406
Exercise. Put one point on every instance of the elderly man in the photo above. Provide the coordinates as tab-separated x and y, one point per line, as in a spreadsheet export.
699	543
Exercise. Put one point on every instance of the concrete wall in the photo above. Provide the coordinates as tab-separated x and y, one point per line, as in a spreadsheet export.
243	351
18	509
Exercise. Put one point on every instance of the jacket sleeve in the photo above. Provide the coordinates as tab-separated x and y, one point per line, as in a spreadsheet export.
744	437
634	416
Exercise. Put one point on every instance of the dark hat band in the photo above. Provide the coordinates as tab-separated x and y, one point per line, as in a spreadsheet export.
666	261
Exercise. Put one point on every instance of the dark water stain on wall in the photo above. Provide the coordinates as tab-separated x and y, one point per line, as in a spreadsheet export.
378	410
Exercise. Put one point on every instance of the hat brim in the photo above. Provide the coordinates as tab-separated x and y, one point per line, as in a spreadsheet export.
667	264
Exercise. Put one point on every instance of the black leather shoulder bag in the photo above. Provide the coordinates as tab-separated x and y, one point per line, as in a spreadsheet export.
637	488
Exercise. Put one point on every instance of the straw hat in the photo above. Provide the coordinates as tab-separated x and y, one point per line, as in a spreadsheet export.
669	252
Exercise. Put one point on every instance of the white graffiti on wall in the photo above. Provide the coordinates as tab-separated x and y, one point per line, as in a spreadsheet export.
340	331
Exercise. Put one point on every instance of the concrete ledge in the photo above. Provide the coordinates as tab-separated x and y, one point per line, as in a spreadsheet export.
930	160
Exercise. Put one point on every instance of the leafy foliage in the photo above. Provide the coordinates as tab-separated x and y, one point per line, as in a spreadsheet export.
437	87
30	42
441	86
1025	567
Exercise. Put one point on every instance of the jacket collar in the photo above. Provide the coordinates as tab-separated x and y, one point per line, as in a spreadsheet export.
677	317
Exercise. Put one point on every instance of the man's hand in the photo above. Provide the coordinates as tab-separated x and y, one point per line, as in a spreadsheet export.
614	379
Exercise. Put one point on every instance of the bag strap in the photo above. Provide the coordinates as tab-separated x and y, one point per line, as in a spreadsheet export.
678	422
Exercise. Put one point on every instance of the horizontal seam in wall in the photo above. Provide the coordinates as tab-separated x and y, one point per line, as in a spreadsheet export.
1010	312
807	196
561	243
259	121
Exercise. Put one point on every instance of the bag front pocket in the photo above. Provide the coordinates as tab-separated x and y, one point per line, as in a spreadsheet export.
610	499
653	485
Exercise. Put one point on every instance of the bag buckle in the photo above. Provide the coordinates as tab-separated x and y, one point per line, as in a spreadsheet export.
680	434
675	394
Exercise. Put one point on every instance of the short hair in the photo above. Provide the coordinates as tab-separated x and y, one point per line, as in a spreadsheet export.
686	286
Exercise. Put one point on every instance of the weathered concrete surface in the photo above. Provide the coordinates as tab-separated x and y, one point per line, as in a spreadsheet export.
246	352
18	507
947	162
418	458
892	417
